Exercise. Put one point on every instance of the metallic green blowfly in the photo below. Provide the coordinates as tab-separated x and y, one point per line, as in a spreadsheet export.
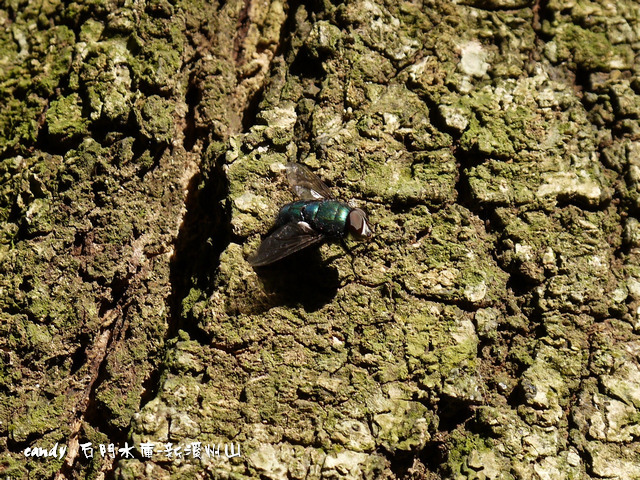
314	218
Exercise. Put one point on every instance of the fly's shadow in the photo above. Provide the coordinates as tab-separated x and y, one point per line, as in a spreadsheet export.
300	279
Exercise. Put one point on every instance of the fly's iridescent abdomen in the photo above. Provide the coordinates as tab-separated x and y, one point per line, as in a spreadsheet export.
328	217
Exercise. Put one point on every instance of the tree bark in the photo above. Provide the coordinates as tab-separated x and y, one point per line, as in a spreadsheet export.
488	330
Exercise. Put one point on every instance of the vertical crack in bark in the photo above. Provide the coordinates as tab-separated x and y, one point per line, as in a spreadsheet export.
244	22
95	357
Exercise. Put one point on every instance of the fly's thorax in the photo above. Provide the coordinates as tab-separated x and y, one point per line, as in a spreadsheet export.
328	217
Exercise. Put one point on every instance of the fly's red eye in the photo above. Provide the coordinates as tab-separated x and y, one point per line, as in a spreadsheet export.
357	224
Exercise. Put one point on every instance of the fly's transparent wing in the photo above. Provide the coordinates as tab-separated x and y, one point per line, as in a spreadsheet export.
290	238
306	184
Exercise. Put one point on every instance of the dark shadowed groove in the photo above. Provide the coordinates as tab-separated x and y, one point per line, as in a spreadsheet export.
191	130
241	32
251	111
205	233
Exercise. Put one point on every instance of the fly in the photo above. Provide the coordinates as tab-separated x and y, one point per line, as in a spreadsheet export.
315	218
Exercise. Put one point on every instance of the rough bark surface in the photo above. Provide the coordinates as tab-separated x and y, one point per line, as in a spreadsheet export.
490	328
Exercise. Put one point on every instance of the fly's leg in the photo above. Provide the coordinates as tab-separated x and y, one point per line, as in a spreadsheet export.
346	247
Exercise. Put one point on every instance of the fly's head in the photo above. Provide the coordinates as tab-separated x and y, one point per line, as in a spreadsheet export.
358	225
